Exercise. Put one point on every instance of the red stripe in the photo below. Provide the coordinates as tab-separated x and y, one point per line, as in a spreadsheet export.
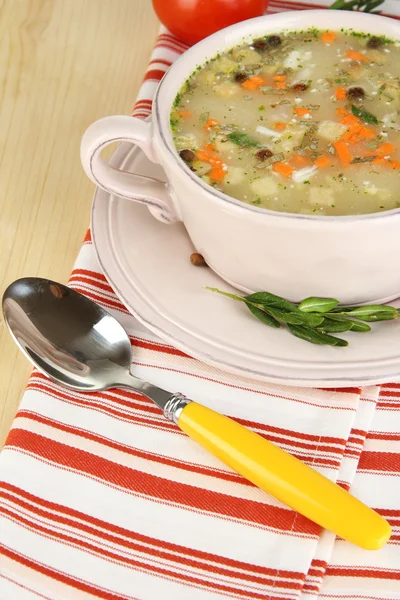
88	237
146	540
154	74
126	399
161	489
388	462
101	299
389	393
169	46
119	396
111	556
89	273
144	103
157	458
157	347
168	37
153	552
59	576
74	279
157	422
160	61
140	115
392	436
349	390
362	572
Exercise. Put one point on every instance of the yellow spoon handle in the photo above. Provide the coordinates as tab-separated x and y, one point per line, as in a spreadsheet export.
285	477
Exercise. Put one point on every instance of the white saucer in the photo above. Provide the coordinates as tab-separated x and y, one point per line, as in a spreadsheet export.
147	263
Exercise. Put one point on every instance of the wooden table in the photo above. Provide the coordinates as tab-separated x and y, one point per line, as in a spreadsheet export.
63	64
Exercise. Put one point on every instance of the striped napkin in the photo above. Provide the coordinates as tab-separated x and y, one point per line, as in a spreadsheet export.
101	497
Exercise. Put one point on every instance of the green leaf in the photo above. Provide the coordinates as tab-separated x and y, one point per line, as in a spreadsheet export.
261	315
358	326
321	305
267	299
376	317
286	317
376	311
310	335
312	319
361	5
242	139
364	115
329	326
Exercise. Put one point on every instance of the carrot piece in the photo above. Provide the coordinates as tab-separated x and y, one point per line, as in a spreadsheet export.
186	114
340	93
253	82
343	152
211	123
341	112
356	56
385	149
328	37
217	174
204	156
367	133
357	133
282	168
301	111
395	164
349	119
209	156
322	162
298	160
279	126
378	160
280	81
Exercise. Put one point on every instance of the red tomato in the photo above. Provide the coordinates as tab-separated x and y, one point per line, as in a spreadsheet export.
193	20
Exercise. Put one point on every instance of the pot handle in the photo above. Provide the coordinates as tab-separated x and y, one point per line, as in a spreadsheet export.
139	188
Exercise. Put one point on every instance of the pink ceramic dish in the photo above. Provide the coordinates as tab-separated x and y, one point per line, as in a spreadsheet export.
351	258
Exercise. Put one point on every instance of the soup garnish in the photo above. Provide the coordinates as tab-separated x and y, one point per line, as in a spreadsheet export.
305	122
313	319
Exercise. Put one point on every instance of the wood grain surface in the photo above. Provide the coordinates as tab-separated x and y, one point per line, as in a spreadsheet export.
63	64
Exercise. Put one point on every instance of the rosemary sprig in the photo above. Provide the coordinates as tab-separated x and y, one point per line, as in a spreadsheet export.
360	5
314	319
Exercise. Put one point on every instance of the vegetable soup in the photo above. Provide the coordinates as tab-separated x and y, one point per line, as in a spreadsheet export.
305	122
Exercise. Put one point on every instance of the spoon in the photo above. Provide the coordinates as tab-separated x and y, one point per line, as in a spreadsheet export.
79	345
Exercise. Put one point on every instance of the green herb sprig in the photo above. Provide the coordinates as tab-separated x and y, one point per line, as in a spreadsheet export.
364	115
314	319
242	139
360	5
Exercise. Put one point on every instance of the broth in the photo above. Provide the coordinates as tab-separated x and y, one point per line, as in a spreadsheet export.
305	122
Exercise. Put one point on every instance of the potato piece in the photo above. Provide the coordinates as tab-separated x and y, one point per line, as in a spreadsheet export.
246	56
206	77
377	56
201	167
226	89
321	196
186	141
331	131
265	186
296	59
224	146
291	137
234	175
269	70
223	65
